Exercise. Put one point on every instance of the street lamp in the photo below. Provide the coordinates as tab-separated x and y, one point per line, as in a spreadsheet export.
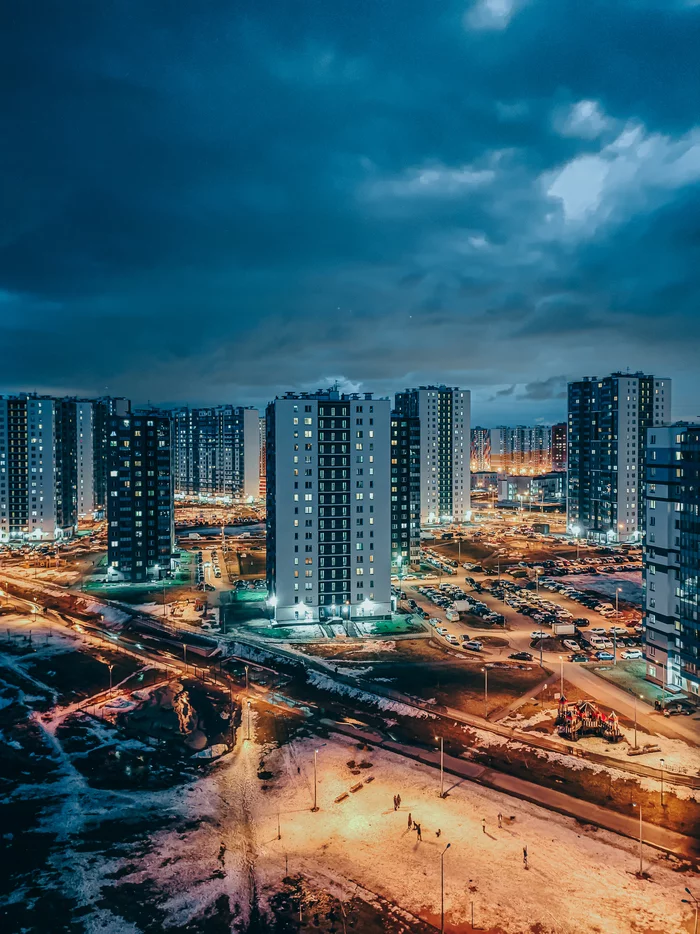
617	601
641	836
695	903
663	763
246	678
561	669
110	679
442	766
442	889
635	718
315	807
486	691
248	736
272	603
538	571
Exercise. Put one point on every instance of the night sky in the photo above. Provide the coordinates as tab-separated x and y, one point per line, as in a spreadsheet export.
209	201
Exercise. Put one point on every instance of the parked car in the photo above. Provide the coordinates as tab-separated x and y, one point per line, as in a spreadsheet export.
570	644
632	653
617	631
604	656
579	657
452	638
539	634
522	656
441	630
598	631
473	644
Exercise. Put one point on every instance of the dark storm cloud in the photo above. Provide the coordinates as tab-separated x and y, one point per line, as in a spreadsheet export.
219	201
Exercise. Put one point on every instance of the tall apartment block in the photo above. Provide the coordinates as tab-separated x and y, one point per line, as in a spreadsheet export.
263	459
443	414
405	489
672	557
328	506
102	410
607	425
523	449
46	466
480	454
140	496
217	451
559	433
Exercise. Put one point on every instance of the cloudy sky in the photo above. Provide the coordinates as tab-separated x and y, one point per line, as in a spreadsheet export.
217	201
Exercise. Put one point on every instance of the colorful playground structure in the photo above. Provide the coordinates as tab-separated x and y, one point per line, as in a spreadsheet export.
585	719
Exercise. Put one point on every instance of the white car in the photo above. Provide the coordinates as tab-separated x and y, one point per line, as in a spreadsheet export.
441	630
570	644
598	631
617	631
539	634
632	653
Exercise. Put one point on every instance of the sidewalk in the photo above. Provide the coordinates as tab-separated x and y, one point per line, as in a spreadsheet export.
667	840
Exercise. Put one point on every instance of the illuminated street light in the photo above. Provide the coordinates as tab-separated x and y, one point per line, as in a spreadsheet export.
442	766
110	679
641	836
663	764
248	732
442	888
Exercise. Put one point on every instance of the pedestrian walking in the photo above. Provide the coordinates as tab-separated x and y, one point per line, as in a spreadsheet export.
395	803
410	820
525	857
398	800
419	832
483	825
438	832
500	820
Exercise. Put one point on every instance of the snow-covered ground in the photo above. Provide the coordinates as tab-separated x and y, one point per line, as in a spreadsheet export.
578	880
607	584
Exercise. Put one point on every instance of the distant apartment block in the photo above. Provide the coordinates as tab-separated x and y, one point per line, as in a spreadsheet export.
607	425
480	455
559	436
216	452
328	506
443	414
521	450
405	490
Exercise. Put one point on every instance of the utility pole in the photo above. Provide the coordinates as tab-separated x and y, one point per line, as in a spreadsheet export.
442	889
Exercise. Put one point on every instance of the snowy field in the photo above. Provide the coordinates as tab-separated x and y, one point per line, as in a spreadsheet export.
629	581
578	880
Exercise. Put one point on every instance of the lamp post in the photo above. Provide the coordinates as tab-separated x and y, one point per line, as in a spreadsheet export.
110	679
695	903
442	766
486	691
538	571
635	719
442	889
561	672
272	603
246	679
315	807
641	836
248	732
663	764
617	601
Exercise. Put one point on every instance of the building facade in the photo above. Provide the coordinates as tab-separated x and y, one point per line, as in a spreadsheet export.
263	460
672	557
47	466
102	410
216	452
328	506
405	490
521	450
559	441
140	509
480	454
445	444
607	424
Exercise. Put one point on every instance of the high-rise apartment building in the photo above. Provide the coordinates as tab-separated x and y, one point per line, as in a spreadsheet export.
445	442
480	455
47	459
672	557
102	410
607	424
263	459
559	433
140	496
328	506
523	449
405	490
216	451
